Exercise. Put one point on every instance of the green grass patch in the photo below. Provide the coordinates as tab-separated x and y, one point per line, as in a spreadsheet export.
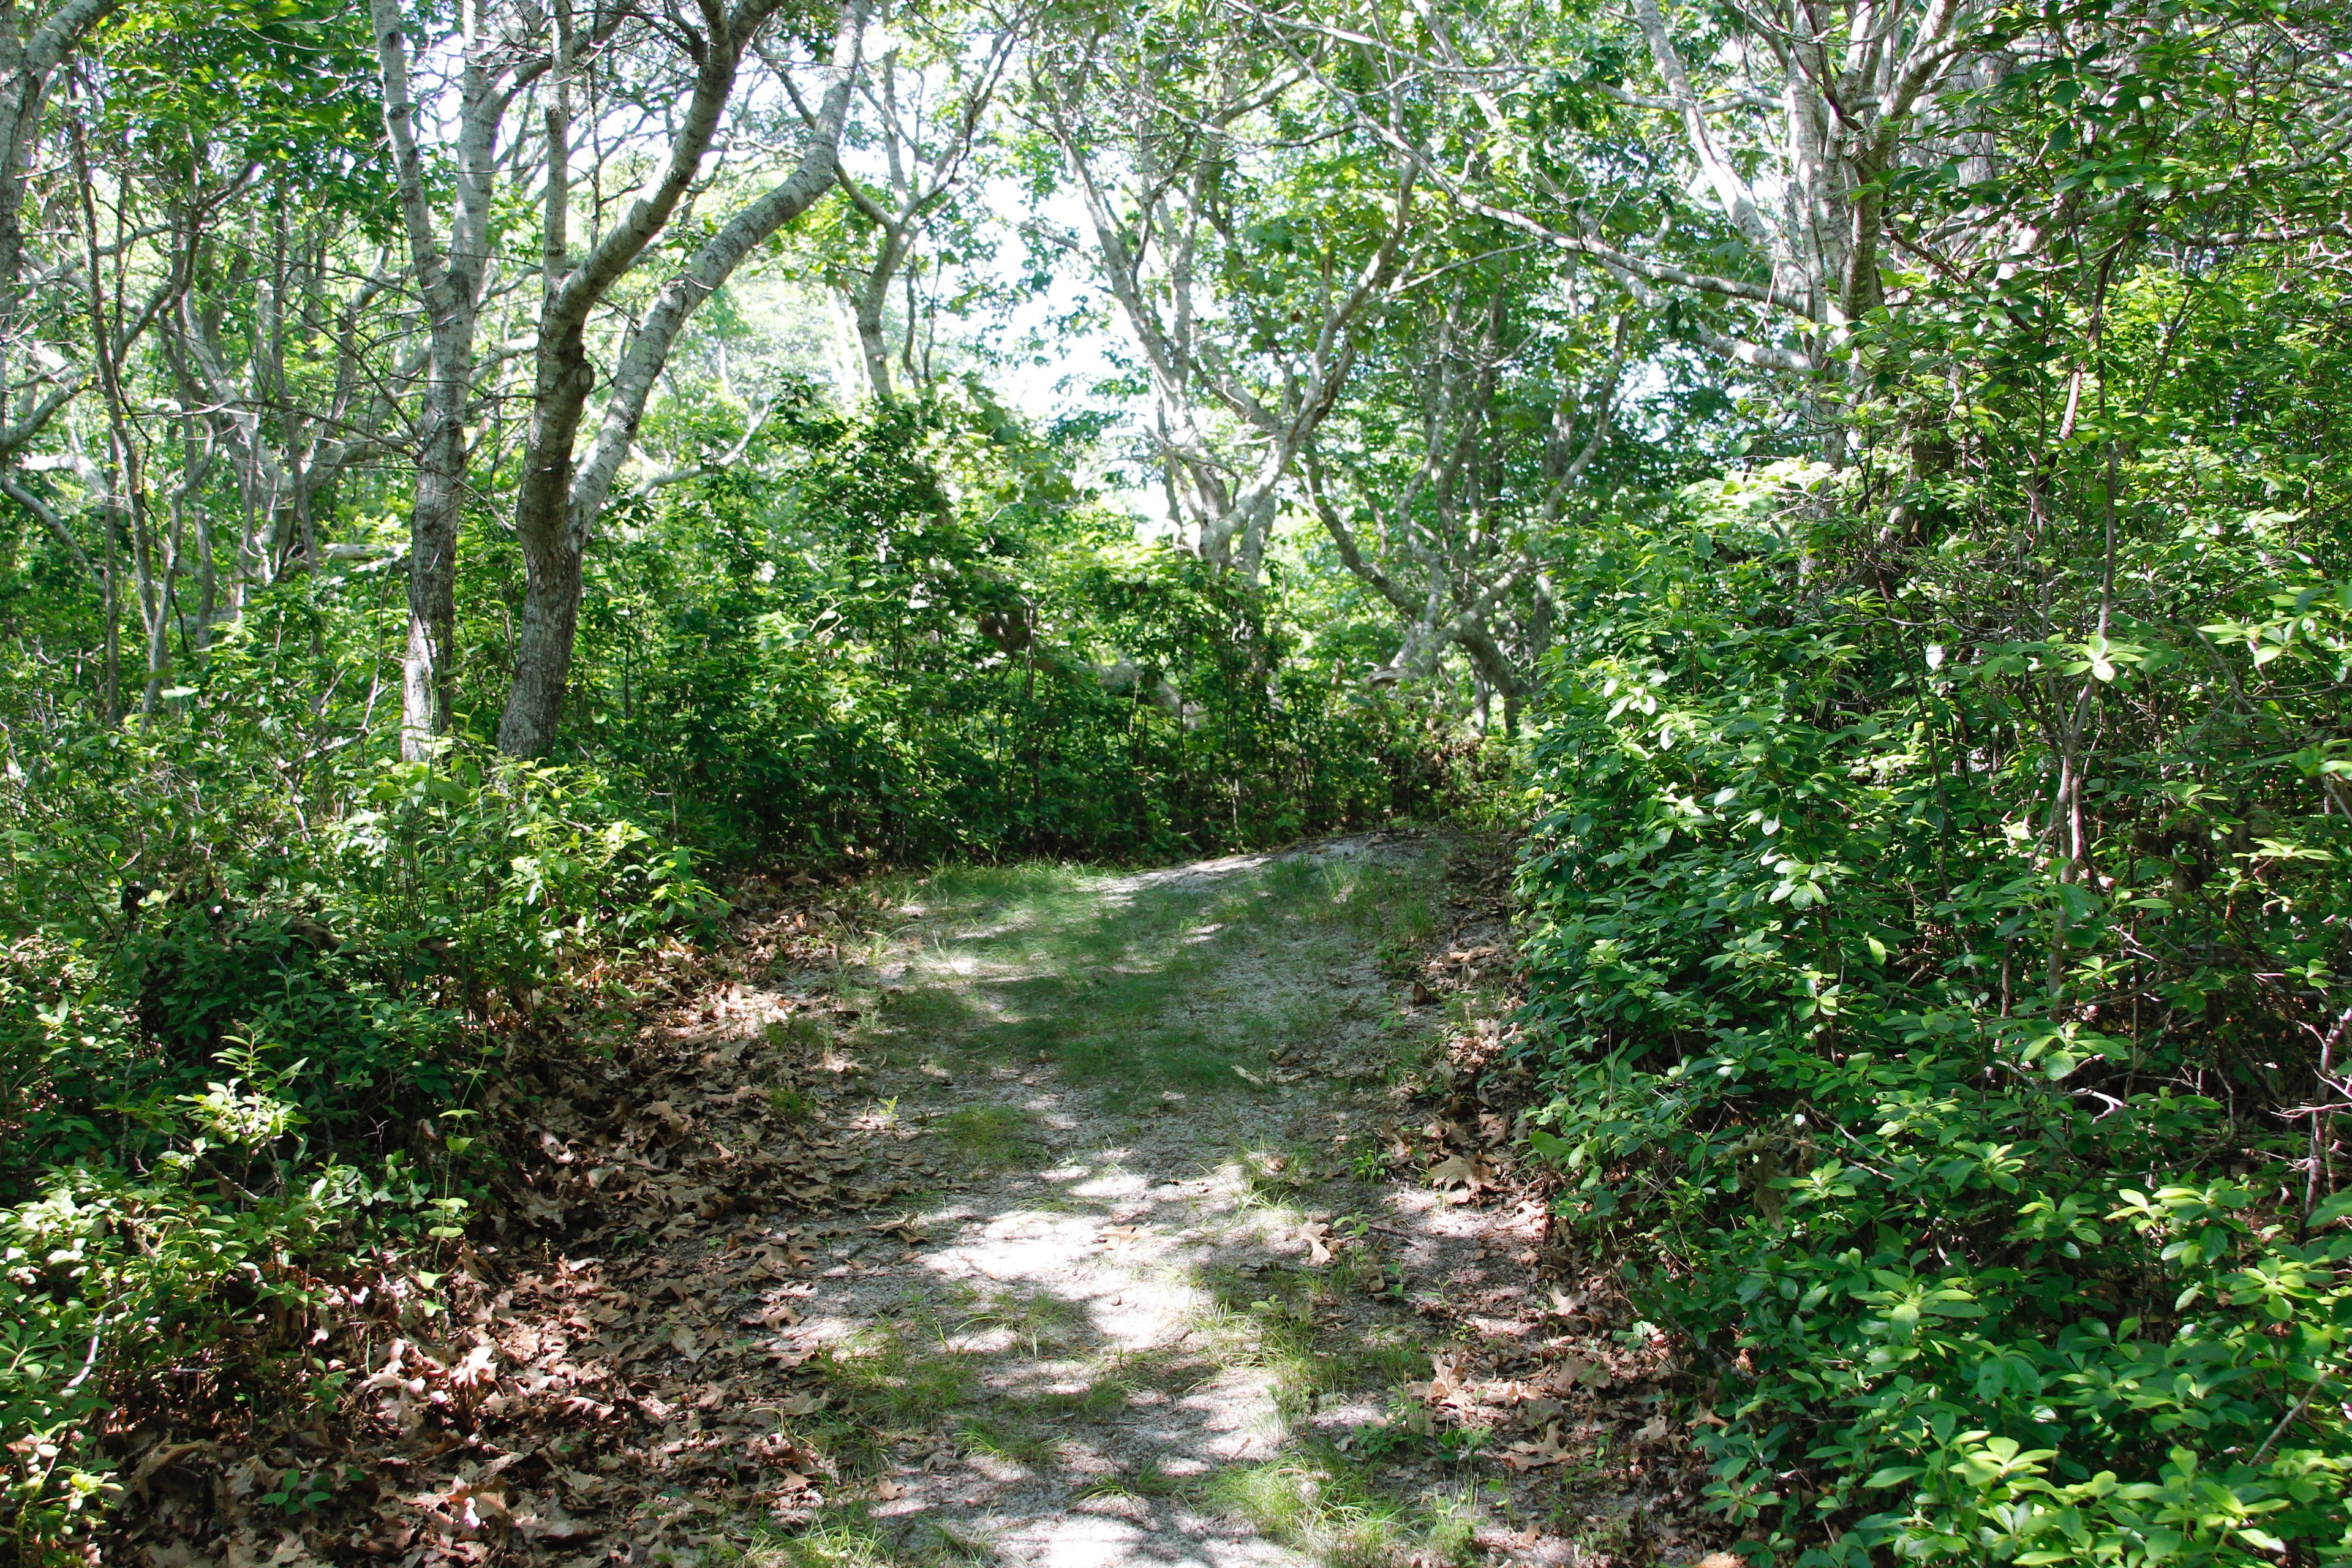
850	1538
1139	985
1327	1507
1037	1322
903	1373
1148	1482
990	1137
1010	1438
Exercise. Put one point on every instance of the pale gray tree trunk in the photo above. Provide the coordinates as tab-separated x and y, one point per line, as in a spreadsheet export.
1440	523
450	279
925	154
1232	508
560	497
32	48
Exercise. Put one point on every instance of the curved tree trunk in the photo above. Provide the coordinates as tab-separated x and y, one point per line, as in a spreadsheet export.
561	499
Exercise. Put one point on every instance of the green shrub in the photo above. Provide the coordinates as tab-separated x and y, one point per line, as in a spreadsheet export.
231	998
829	661
108	1279
1960	1143
371	936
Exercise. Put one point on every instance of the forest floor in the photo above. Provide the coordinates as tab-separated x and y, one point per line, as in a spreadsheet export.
1035	1215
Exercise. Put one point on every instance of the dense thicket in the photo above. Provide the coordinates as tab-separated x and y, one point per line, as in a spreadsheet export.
1938	911
476	478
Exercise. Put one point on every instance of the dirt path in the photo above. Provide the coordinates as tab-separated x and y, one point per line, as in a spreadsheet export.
1035	1216
1106	1346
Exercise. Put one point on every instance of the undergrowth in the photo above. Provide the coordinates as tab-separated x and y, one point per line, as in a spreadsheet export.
248	1035
1978	1144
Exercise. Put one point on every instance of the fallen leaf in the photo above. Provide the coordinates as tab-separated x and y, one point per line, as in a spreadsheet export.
1572	1370
554	1526
779	1314
1546	1450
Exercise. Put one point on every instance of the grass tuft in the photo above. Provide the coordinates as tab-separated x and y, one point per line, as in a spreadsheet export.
990	1137
1325	1509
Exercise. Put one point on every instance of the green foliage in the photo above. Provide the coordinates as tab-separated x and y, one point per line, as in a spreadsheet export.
286	89
913	636
239	969
165	897
257	970
1938	1103
111	1277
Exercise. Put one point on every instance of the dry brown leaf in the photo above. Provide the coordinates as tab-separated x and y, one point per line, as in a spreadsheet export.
1454	1171
1546	1450
776	1314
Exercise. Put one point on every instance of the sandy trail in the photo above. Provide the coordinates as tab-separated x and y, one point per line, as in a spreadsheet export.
1028	1216
1142	1297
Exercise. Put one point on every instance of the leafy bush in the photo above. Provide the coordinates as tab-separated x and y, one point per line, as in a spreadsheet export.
370	937
110	1280
229	995
1954	1114
832	659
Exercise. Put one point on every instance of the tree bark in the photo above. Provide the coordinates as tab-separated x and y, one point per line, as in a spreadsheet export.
451	283
559	501
28	61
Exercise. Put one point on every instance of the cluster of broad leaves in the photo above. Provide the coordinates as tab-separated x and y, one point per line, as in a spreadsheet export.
1942	984
914	636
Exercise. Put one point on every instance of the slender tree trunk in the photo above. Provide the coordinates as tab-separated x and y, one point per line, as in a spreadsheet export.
552	549
110	675
31	50
450	281
559	500
435	511
872	342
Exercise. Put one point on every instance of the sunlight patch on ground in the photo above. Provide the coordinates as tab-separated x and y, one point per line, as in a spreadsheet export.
1113	1341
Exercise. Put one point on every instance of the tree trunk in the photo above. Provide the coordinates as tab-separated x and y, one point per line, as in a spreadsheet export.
561	502
543	643
433	517
31	50
451	281
552	547
873	342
